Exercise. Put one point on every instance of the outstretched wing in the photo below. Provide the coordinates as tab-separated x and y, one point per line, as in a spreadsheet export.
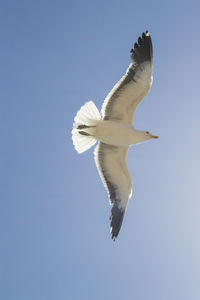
111	164
121	102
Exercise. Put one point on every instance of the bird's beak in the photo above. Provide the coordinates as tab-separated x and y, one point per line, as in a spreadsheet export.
155	137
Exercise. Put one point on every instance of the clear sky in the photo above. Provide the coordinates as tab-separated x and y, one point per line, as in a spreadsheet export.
54	210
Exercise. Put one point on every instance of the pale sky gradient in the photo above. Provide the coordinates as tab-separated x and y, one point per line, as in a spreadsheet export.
54	211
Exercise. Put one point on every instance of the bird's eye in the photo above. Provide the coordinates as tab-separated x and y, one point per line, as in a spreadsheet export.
147	132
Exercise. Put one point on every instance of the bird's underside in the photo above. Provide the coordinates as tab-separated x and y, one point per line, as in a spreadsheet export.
114	131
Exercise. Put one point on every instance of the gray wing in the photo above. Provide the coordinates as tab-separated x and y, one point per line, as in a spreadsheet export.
121	102
112	168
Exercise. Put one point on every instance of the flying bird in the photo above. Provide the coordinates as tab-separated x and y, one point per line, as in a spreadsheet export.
114	131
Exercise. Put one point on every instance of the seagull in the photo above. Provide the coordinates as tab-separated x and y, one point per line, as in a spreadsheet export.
114	131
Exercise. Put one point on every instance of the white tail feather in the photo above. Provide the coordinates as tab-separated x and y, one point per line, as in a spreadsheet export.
86	116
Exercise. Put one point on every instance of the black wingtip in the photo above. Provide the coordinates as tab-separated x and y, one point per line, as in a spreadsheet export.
116	217
143	50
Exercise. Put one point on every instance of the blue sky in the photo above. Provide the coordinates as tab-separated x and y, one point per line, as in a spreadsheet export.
54	210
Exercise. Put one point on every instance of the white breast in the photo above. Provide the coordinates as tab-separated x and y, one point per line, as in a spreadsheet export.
114	133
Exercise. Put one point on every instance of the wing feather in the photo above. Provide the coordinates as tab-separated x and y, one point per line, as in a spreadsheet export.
121	102
111	164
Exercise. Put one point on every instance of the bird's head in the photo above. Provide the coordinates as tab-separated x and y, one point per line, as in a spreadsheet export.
149	136
141	136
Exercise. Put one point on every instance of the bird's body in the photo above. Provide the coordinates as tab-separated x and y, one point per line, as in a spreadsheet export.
115	131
